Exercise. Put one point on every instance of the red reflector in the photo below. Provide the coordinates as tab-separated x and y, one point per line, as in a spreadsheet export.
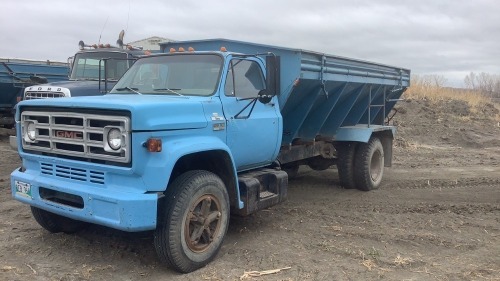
153	145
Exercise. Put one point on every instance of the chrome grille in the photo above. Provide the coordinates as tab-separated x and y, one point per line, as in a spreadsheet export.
29	95
76	134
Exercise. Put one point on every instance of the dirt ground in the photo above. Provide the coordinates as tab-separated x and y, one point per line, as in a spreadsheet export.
435	217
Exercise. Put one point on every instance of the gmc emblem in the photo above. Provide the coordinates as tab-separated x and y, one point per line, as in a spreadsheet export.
69	135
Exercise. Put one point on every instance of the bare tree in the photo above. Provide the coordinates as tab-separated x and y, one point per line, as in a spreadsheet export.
470	81
484	83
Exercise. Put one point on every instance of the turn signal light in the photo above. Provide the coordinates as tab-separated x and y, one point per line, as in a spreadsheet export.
153	145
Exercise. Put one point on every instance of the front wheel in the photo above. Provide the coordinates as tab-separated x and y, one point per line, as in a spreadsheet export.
195	221
56	223
369	165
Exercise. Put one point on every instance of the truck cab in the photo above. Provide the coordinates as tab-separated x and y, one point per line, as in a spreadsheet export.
93	72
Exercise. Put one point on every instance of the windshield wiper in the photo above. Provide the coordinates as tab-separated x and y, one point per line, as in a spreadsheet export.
86	79
173	90
129	89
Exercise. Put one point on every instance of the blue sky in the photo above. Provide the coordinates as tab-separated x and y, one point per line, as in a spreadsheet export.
449	38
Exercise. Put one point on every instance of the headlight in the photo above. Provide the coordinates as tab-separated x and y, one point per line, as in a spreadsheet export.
115	138
31	131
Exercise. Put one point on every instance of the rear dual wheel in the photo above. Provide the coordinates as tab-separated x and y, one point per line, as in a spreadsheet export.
361	165
369	165
345	164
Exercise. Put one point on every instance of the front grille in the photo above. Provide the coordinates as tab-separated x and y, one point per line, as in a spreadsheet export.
68	172
76	134
42	95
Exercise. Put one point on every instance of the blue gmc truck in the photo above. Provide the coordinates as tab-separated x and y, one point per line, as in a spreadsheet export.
203	130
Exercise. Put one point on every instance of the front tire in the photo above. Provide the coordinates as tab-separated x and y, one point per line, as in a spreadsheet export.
195	221
369	165
56	223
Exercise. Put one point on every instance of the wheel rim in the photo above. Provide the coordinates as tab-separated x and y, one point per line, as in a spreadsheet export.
203	223
376	166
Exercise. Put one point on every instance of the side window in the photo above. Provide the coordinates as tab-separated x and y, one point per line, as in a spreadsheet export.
244	79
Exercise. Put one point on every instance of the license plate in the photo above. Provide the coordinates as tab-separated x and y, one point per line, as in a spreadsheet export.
23	189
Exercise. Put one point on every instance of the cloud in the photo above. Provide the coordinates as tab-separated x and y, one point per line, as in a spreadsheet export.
426	36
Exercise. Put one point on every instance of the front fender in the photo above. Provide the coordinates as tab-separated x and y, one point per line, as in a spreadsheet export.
159	166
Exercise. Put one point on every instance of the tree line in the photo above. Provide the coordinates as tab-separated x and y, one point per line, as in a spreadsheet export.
484	83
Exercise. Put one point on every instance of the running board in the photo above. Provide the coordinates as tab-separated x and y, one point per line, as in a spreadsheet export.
261	189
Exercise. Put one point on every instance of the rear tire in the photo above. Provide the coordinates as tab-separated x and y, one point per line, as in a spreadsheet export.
56	223
195	221
345	164
369	165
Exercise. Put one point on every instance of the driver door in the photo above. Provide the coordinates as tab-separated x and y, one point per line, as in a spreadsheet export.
252	127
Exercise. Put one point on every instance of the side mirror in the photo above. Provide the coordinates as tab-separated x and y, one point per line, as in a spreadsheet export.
272	79
70	65
120	39
264	97
38	79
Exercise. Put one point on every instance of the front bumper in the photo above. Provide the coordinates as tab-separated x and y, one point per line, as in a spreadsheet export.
128	211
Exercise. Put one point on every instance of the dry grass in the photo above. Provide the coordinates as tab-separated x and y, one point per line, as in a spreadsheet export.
435	93
370	264
401	261
431	88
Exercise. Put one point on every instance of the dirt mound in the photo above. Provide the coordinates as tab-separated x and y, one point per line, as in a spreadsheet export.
435	217
447	123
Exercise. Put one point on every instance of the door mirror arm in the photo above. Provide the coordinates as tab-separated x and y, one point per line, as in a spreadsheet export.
251	103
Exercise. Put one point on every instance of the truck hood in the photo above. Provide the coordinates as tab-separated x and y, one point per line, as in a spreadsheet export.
148	113
77	87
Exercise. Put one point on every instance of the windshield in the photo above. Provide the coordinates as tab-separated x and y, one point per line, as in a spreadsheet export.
180	74
86	65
